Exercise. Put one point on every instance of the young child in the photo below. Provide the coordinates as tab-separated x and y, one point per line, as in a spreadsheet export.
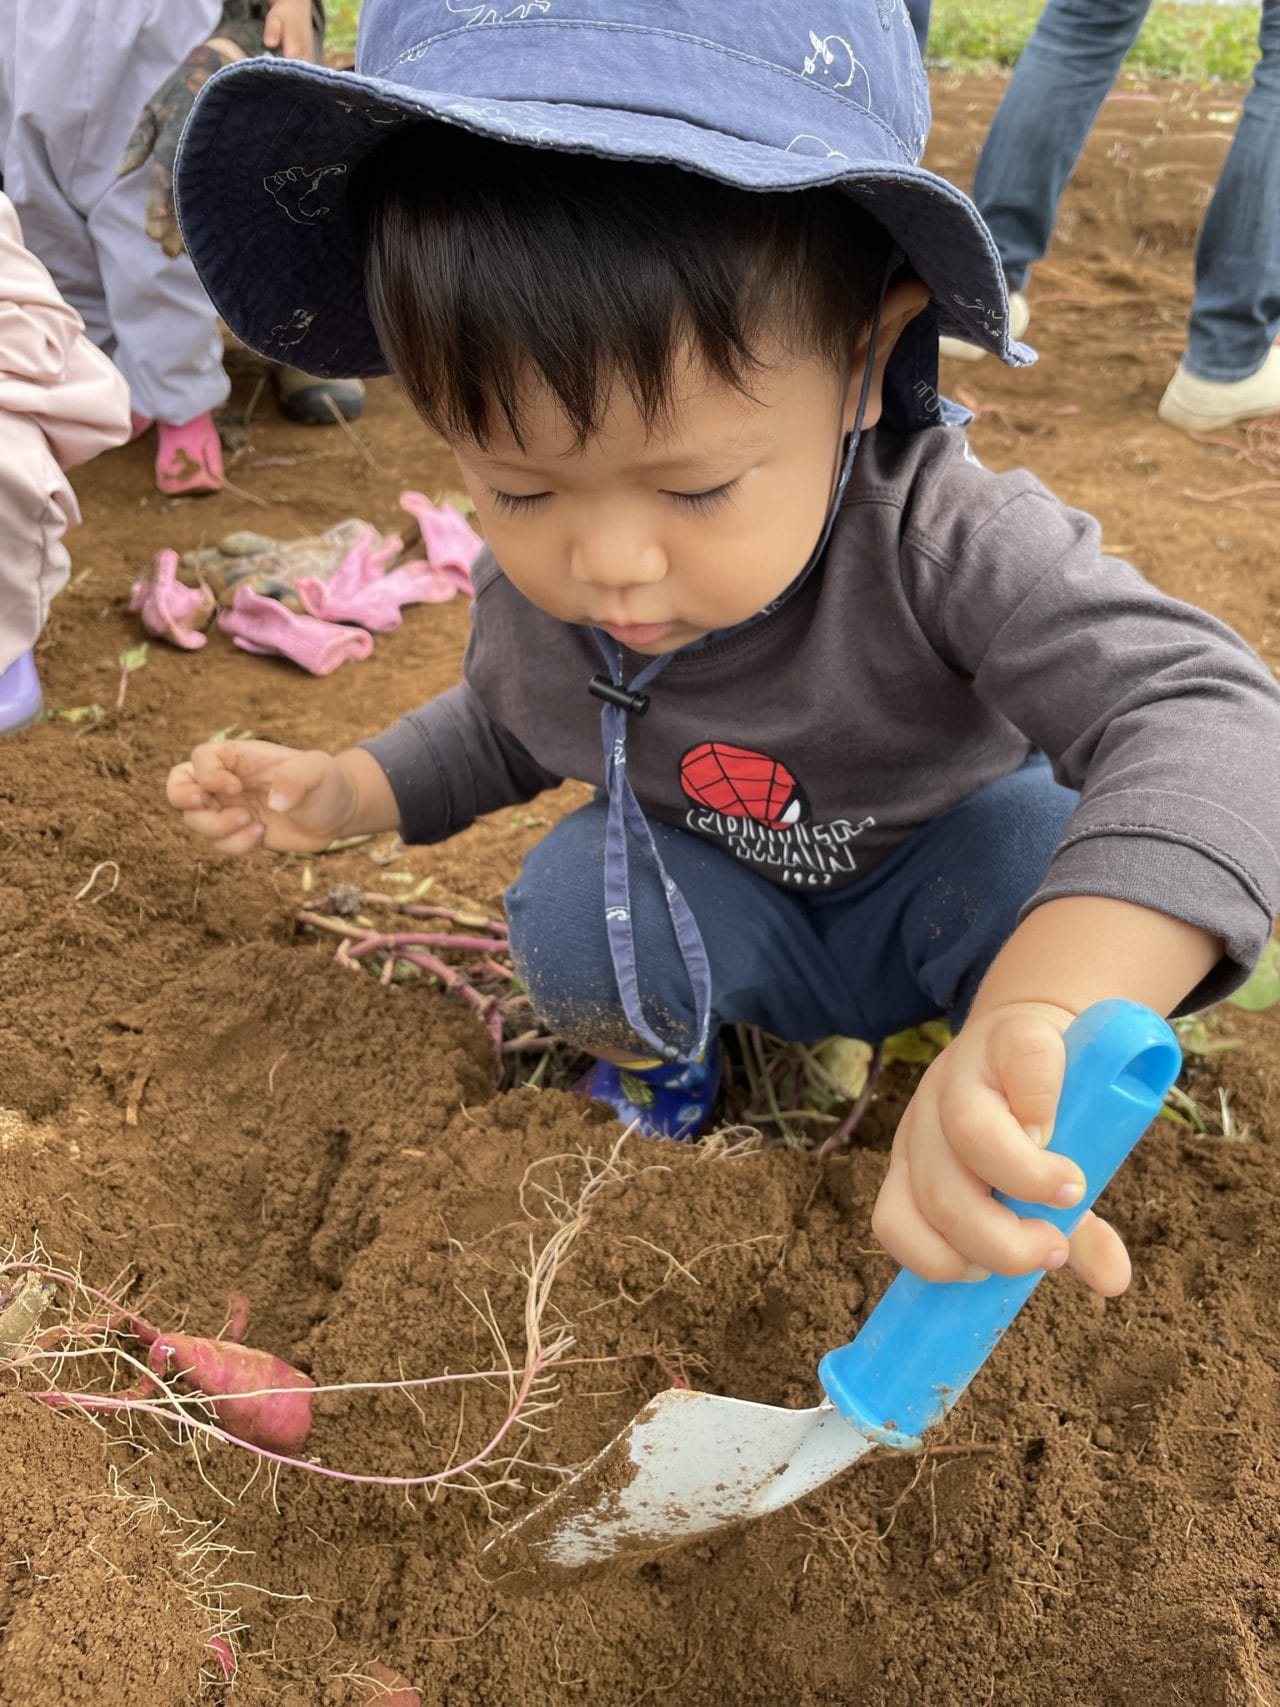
61	402
73	80
877	734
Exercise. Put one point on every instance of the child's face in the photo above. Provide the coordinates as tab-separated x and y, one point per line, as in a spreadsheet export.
661	537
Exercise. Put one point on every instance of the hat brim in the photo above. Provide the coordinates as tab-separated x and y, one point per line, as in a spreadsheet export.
261	178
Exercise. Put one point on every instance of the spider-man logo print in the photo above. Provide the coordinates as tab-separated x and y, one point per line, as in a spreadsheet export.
755	808
740	783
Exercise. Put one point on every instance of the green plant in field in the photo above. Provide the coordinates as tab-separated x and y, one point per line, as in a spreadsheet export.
1201	1035
340	36
1178	40
1263	988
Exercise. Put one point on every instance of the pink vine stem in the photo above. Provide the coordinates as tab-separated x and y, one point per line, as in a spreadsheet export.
418	948
169	1410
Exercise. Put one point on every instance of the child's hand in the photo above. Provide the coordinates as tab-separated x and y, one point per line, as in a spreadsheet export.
288	29
247	794
977	1121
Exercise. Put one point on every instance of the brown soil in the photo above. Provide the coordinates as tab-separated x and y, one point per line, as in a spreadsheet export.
200	1101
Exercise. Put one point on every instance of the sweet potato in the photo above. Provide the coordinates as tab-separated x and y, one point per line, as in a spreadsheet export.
395	1690
222	1372
224	1654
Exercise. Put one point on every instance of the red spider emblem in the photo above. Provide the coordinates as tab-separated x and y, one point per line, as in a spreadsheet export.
742	784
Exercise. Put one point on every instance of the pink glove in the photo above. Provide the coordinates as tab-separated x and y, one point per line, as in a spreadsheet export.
452	546
263	625
359	590
170	610
354	592
365	562
378	603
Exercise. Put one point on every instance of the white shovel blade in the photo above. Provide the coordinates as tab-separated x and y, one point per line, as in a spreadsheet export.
687	1464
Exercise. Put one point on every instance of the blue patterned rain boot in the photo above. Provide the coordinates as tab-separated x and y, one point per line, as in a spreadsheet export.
668	1099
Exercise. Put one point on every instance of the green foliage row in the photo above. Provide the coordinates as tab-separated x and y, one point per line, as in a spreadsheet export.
1178	40
341	32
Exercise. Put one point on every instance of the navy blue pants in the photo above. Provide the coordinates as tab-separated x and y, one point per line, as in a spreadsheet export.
911	940
918	11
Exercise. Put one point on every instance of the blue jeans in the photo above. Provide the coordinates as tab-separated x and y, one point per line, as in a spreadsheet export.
1060	82
910	940
918	12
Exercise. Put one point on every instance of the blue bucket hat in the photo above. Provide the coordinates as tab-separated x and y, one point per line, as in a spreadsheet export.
756	94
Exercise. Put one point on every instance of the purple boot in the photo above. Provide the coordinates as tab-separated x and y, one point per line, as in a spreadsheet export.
21	701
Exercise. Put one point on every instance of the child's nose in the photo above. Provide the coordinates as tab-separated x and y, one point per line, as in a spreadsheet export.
616	559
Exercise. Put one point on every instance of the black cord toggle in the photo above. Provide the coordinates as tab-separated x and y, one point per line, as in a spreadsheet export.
609	691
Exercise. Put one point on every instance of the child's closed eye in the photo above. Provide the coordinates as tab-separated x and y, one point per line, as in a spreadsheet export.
517	502
714	498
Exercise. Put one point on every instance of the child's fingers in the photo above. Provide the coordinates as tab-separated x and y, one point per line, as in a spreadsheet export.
240	841
908	1237
959	1205
289	29
181	790
1027	1058
294	778
211	769
990	1142
1098	1256
216	822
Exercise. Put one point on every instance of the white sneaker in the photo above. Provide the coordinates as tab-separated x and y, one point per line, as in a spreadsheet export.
1019	320
1204	405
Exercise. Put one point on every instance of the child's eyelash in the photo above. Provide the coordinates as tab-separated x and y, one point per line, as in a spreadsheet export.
713	499
516	501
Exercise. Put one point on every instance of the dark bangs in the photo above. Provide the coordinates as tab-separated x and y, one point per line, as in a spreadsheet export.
490	266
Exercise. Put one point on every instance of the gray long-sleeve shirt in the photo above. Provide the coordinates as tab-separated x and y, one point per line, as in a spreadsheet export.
959	619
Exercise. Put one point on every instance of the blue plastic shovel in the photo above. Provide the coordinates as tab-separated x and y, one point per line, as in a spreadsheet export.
695	1462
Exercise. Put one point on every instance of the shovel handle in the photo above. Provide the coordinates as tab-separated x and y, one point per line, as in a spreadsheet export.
926	1340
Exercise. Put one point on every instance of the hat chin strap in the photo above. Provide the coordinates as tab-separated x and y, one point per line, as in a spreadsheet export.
626	822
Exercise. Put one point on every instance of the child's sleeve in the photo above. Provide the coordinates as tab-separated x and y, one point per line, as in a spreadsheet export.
449	762
1162	717
51	376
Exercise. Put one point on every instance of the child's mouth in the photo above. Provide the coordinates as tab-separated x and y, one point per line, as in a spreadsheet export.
637	633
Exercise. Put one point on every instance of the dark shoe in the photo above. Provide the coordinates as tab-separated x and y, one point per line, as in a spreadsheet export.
314	401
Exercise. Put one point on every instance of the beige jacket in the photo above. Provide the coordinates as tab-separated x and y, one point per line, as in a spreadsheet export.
61	402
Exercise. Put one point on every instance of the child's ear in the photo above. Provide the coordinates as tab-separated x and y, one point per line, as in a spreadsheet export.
902	302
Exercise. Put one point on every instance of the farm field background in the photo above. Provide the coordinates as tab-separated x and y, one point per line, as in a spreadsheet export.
196	1101
1181	38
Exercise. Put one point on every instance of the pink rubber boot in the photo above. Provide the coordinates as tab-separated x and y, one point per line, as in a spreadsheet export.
188	457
